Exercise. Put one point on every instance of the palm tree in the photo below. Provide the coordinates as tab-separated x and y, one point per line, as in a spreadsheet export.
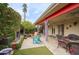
24	10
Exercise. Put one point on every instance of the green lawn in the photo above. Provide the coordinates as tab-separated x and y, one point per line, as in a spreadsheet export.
33	51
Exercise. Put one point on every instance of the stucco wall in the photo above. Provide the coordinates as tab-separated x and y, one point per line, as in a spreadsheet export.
49	31
71	30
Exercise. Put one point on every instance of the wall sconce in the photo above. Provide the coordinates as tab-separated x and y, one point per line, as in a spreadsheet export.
75	23
67	28
70	25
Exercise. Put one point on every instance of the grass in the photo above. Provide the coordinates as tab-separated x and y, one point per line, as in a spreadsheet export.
33	51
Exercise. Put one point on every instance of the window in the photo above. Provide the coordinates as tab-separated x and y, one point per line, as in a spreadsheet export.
52	31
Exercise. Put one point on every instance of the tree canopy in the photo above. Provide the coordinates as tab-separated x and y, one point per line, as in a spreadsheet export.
28	26
10	21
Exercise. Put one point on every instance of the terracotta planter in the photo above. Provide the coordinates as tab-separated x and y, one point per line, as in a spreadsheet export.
14	45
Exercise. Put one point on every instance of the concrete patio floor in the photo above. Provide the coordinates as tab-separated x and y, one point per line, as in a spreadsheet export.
28	43
51	44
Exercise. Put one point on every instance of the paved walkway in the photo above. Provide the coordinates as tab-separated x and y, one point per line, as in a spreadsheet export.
28	43
51	45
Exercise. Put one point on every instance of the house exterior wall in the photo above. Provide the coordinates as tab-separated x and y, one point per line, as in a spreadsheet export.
69	28
55	30
50	31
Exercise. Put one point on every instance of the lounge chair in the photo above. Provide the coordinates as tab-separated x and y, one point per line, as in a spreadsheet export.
6	51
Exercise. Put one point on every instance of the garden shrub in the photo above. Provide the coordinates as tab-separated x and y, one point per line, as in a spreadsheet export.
18	46
11	37
3	46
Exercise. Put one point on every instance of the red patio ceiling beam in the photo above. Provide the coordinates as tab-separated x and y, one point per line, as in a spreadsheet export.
67	8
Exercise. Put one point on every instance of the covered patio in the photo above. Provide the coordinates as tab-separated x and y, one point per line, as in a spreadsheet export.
52	45
59	19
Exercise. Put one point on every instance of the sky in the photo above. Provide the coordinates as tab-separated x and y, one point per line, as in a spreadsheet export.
34	10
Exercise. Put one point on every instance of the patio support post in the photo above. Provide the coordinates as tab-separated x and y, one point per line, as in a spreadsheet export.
38	28
46	30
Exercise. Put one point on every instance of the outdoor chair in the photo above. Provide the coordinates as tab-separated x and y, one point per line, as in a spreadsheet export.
73	48
62	41
59	37
73	45
36	40
6	51
70	43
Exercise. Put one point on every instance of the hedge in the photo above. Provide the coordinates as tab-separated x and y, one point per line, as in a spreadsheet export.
3	47
18	46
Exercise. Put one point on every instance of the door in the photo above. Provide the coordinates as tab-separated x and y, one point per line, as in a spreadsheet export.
61	29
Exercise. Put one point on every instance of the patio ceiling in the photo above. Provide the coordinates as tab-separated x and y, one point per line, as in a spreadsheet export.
51	9
65	18
67	8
